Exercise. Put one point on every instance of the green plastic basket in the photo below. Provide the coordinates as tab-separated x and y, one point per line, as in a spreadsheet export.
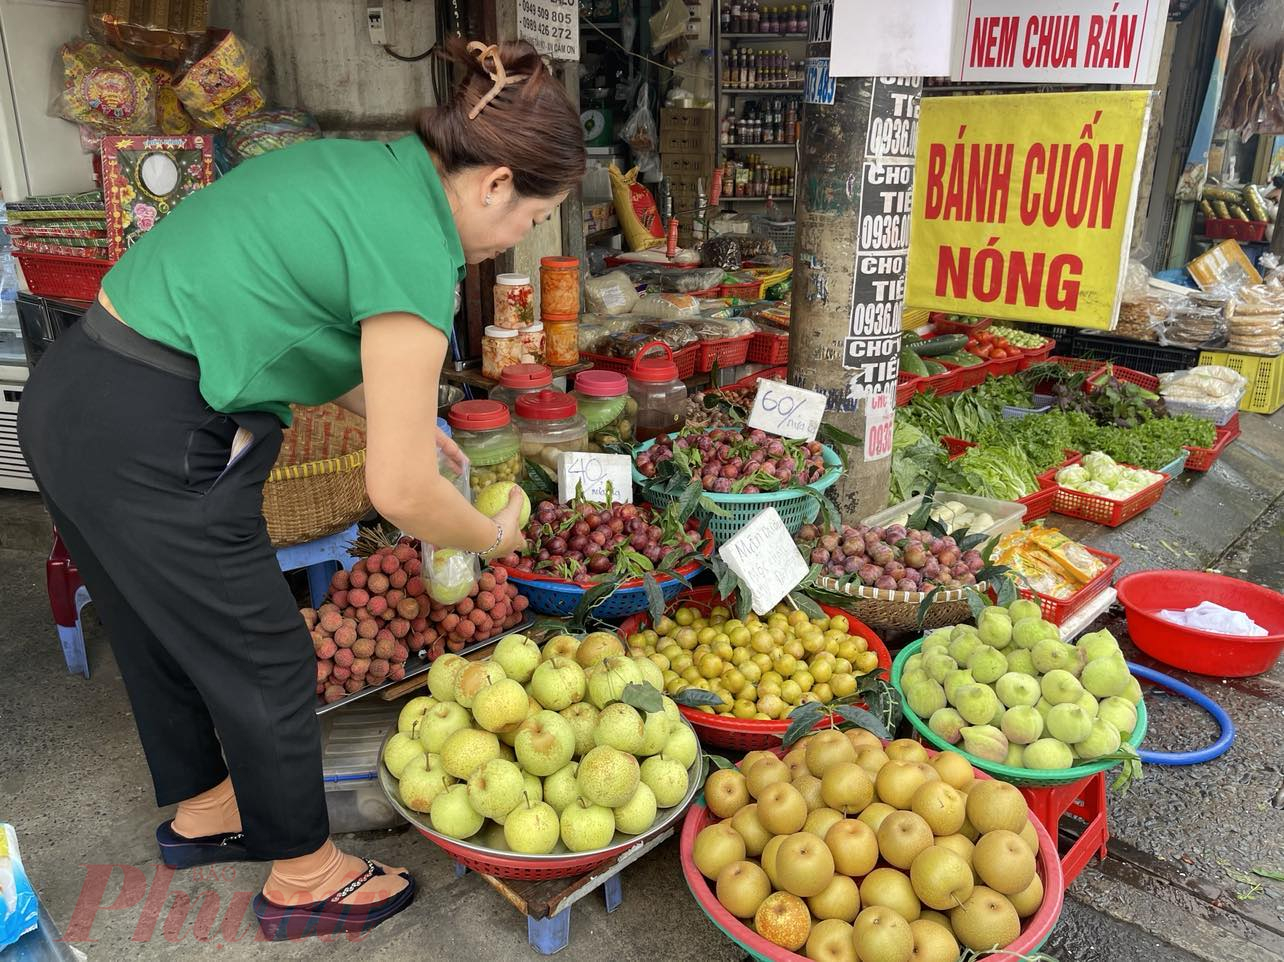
1022	777
794	505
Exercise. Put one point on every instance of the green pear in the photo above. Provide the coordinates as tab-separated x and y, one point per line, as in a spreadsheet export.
620	726
962	631
509	736
682	746
1098	644
651	674
1105	676
666	778
955	680
995	627
413	711
962	647
914	663
532	828
1020	660
501	707
586	826
608	679
1047	754
1068	723
977	703
987	664
1022	724
399	750
1133	692
913	676
476	676
1088	703
468	750
545	743
441	676
655	733
938	664
583	720
518	656
671	711
1024	609
637	814
453	816
924	697
1043	707
999	711
1026	634
440	723
496	788
421	786
608	776
948	724
1014	688
1059	686
985	741
1015	757
561	788
532	792
938	640
1103	739
558	683
1053	655
1119	712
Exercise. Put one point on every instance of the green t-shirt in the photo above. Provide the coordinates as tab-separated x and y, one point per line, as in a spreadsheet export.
265	275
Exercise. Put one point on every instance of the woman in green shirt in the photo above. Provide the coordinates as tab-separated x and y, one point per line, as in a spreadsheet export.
326	271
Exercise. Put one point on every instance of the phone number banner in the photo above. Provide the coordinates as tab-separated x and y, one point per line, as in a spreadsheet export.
1023	205
551	26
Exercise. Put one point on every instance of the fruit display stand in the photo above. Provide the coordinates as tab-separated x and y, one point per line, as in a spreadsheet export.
747	734
1034	932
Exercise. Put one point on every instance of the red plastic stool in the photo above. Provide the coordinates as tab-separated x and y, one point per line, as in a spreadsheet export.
1084	799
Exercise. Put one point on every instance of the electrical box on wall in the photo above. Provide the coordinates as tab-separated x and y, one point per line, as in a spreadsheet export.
374	22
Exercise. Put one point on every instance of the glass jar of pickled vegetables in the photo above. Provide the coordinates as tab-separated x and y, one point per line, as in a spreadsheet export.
549	423
501	348
532	338
514	301
561	342
485	433
518	380
603	399
659	392
559	288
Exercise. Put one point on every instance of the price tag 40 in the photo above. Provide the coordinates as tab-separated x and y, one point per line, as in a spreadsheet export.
765	557
591	473
787	411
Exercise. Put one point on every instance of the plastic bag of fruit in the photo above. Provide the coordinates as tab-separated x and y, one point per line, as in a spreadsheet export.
451	573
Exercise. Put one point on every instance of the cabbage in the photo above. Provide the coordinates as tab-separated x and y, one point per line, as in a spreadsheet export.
1095	487
1073	476
1095	460
1108	474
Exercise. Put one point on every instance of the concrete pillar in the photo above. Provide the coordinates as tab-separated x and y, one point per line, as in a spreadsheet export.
855	173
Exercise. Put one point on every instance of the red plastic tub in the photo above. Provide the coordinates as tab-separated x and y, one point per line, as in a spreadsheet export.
1109	511
1035	355
1144	594
942	325
997	367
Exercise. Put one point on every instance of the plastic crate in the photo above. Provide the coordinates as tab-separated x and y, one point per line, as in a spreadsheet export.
768	348
1035	355
946	383
969	376
1201	459
685	359
745	291
1177	465
1265	377
52	275
998	367
724	352
1059	610
1147	382
907	385
778	373
1042	405
1138	355
1108	511
1234	228
1007	515
351	742
942	325
1038	504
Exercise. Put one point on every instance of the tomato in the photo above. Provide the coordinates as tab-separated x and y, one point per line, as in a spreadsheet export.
998	354
985	337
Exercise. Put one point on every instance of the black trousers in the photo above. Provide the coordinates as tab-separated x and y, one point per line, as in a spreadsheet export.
171	543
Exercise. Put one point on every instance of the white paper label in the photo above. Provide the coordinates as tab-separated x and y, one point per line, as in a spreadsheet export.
787	411
551	26
882	39
765	557
880	414
592	473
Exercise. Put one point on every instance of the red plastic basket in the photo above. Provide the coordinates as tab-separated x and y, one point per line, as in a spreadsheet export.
1005	365
747	734
1201	459
768	348
1038	504
1241	230
1107	511
1147	382
778	373
943	326
685	359
1059	610
969	376
907	386
946	383
1034	930
724	351
1034	355
745	290
53	275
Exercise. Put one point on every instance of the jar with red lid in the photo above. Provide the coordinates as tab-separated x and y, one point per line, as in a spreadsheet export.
518	380
549	423
603	398
485	432
659	392
559	288
514	301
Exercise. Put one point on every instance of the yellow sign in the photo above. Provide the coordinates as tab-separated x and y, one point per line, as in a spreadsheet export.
1023	205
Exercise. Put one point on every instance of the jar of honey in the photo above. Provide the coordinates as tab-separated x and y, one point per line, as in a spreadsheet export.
559	288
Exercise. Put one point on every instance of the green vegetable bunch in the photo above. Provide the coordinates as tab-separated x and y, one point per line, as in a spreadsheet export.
1154	443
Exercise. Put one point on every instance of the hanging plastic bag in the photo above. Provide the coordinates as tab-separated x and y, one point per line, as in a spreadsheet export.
640	134
668	24
451	574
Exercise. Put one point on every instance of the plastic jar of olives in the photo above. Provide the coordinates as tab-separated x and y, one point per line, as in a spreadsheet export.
518	380
485	433
549	423
603	398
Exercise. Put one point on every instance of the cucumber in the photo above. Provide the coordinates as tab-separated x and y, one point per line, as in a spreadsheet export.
933	367
944	344
911	363
908	338
963	359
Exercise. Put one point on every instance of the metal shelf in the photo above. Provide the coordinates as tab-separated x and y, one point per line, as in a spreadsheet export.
756	146
764	36
761	91
754	200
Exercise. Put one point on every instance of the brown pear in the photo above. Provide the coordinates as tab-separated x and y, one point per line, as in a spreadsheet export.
831	941
891	888
1028	900
839	900
954	769
897	782
821	821
746	823
901	837
854	847
827	748
804	866
1003	862
941	806
847	788
862	739
941	879
783	919
984	920
874	814
766	772
716	847
781	809
808	786
726	792
742	887
906	750
882	935
933	942
993	805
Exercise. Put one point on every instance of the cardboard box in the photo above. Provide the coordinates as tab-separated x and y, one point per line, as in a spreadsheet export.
687	142
687	165
599	217
676	119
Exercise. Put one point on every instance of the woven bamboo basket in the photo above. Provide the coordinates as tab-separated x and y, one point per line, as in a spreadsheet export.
886	608
318	485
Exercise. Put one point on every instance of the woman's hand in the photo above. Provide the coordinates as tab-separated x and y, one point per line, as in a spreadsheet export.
453	452
513	540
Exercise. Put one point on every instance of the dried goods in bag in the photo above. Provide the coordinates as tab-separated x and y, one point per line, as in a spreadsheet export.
103	90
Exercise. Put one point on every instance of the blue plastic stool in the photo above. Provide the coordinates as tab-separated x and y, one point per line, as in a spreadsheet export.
322	558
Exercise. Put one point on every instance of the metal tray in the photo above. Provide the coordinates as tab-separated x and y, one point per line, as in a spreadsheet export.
413	669
665	818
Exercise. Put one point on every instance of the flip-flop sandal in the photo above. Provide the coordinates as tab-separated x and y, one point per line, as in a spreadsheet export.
178	851
332	916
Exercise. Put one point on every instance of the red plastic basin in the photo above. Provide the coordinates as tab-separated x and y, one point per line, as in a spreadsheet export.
1145	593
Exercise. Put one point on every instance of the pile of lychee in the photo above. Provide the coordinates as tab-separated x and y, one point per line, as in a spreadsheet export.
382	610
533	751
1012	692
849	851
762	668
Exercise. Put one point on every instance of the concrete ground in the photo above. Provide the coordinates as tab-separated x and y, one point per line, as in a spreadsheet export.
1178	884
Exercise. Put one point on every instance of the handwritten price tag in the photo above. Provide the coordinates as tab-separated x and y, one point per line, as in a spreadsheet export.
765	557
880	414
592	473
787	411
